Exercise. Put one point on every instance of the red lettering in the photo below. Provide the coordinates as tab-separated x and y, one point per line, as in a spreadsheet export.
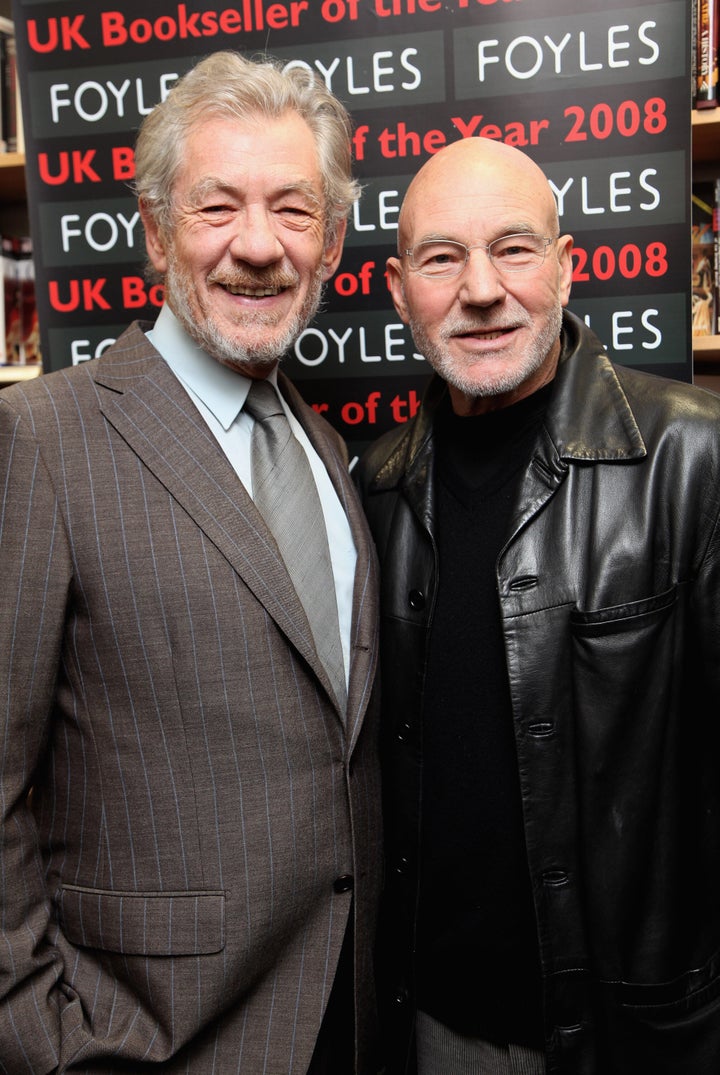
60	176
467	129
71	33
135	295
188	27
63	32
383	8
403	142
76	162
85	293
64	306
230	21
82	168
113	28
92	294
404	409
352	413
123	162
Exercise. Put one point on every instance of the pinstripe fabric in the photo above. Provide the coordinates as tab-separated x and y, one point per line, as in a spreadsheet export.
442	1050
168	901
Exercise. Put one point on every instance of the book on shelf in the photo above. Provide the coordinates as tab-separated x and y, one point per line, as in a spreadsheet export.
706	16
12	138
705	256
19	316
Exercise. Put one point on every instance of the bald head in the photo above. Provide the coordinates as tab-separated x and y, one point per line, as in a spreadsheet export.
481	171
485	302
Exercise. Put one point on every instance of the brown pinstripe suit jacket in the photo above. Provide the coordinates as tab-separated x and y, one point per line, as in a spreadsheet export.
168	900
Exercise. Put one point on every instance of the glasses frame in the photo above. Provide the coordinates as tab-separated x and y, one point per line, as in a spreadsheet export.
487	247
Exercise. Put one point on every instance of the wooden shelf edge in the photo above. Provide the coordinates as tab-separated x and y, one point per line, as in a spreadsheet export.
11	374
706	348
705	117
12	160
12	177
705	125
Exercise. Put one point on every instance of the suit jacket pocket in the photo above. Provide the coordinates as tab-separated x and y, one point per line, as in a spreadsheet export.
144	923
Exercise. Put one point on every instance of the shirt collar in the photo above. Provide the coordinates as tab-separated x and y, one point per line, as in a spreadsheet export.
222	390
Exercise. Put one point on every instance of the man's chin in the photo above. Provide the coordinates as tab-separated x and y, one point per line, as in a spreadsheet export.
256	353
250	365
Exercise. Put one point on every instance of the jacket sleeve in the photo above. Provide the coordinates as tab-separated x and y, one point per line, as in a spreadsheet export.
35	569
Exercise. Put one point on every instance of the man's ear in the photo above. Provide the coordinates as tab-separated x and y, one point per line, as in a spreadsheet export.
154	242
394	276
333	251
565	245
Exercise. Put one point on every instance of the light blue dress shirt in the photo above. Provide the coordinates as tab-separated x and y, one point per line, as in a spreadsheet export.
219	394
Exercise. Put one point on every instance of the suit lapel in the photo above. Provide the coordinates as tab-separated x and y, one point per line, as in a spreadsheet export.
144	402
364	641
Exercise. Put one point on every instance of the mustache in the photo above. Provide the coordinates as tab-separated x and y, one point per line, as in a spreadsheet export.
459	326
477	321
270	278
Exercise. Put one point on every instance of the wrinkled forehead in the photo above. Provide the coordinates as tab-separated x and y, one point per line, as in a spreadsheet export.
477	195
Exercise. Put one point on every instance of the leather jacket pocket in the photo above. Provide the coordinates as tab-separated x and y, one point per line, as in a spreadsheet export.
618	619
622	655
144	923
667	1004
667	1028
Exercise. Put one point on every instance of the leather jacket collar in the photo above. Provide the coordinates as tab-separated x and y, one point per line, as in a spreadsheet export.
588	419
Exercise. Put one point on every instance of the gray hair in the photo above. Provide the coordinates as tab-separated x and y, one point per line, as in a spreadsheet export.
228	84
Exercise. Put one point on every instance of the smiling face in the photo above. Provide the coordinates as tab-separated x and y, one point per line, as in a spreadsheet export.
246	257
494	337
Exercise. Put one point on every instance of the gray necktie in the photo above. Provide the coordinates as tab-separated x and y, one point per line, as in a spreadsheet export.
285	493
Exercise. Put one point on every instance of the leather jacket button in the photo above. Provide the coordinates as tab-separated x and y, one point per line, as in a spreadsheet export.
403	732
402	865
543	729
416	600
523	582
555	877
344	883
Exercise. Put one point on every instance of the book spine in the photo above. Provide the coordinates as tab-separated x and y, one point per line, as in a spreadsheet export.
10	96
704	278
10	300
706	61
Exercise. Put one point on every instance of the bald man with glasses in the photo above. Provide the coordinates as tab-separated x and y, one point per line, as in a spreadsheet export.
548	533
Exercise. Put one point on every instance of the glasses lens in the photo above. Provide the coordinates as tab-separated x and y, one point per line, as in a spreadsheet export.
443	258
515	253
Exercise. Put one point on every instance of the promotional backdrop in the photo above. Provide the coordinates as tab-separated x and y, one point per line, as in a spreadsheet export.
596	91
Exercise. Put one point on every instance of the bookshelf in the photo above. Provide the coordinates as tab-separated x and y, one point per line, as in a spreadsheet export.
14	218
706	164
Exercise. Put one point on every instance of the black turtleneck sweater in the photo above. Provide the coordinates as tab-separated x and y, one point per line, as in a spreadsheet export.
478	968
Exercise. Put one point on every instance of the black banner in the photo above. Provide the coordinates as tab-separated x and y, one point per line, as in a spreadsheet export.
596	91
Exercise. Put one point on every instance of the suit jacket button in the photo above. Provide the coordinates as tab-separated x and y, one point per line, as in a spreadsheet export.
344	883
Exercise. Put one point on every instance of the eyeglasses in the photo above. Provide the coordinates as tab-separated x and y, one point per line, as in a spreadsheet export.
510	253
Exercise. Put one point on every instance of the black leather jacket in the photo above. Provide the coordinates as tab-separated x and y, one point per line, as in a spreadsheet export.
609	586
